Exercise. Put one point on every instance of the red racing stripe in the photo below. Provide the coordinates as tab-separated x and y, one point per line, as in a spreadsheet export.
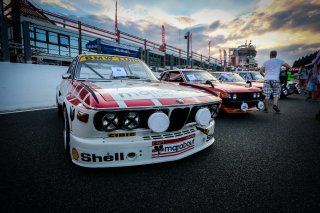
137	103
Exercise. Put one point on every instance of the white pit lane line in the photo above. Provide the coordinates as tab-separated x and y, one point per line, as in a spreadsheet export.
27	110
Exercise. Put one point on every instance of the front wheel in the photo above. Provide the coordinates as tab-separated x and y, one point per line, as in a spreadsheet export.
66	133
60	113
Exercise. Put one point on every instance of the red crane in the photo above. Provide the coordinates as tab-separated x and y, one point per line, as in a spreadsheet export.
163	45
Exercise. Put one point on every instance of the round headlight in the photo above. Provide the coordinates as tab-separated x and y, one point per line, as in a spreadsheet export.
254	95
131	120
158	122
203	117
258	95
110	121
234	97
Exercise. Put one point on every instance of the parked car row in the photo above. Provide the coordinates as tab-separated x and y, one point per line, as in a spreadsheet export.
117	113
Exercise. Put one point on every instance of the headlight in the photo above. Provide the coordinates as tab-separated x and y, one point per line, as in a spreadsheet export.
254	95
234	97
258	95
131	120
225	95
110	121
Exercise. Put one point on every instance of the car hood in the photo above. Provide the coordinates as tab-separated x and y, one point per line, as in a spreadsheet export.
230	88
243	83
124	94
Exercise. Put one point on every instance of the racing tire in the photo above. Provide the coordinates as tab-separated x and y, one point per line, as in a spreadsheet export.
66	134
60	112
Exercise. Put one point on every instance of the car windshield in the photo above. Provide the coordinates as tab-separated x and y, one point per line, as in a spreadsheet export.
257	76
230	77
198	76
100	68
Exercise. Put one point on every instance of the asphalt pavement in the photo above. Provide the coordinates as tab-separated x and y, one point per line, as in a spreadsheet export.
260	162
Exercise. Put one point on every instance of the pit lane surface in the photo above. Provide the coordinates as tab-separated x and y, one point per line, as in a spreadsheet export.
259	163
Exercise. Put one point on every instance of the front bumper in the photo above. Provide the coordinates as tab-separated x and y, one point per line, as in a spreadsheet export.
235	106
155	148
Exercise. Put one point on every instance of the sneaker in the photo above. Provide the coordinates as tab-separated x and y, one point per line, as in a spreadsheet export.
276	109
265	110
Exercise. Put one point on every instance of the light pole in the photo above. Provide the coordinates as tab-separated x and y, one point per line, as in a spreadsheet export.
187	36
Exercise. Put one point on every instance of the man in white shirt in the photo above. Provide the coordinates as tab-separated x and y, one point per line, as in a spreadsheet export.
271	71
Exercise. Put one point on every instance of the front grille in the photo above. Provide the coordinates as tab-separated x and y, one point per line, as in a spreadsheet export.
170	135
178	118
244	96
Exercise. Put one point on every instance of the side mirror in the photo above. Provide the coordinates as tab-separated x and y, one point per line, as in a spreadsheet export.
66	76
248	84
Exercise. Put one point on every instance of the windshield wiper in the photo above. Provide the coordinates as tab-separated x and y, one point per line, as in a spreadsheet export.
93	70
127	76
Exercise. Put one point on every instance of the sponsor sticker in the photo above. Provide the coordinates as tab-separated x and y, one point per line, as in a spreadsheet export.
172	147
121	134
107	58
118	71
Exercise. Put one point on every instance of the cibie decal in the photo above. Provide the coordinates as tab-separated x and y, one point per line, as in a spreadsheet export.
172	147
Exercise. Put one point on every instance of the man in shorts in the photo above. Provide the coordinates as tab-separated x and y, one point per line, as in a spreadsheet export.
271	83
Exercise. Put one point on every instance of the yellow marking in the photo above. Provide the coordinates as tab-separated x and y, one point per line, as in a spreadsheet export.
108	58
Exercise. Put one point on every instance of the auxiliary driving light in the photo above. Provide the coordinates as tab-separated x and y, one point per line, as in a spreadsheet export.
131	120
110	121
260	105
244	107
158	122
203	116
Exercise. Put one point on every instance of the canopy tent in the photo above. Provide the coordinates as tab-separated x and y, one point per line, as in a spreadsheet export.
112	48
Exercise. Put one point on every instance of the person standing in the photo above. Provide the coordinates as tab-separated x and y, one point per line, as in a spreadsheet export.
271	83
314	78
303	75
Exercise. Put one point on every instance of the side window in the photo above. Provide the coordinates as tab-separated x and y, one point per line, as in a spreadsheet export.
164	77
244	76
72	66
175	77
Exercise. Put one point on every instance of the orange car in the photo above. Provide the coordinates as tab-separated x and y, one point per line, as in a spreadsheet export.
235	99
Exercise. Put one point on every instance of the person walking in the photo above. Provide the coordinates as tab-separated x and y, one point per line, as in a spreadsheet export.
271	83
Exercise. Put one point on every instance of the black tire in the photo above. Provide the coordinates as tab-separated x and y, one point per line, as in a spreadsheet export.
60	112
66	133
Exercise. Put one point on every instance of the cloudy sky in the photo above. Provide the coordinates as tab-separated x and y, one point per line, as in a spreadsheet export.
290	26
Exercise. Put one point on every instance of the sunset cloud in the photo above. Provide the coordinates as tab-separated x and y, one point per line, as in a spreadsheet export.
286	25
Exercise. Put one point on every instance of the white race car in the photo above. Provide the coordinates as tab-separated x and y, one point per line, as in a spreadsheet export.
117	113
